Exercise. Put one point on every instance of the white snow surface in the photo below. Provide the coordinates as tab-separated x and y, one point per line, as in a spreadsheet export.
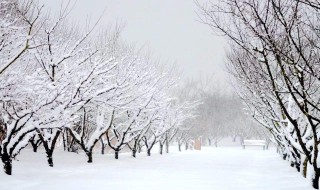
211	168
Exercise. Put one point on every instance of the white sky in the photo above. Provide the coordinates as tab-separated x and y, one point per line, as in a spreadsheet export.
169	28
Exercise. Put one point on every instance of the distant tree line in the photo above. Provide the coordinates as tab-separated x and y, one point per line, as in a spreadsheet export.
221	114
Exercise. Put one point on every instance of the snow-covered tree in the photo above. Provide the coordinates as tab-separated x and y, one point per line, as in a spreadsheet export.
274	59
60	82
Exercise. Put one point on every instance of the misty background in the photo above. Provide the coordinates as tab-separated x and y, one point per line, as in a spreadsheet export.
169	29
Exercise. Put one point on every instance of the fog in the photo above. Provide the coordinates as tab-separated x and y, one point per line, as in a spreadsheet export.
169	29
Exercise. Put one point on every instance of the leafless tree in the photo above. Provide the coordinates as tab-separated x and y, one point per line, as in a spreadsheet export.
275	59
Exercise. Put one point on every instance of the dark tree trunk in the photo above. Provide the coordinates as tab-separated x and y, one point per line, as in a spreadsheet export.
50	160
35	143
34	147
149	152
135	147
297	158
292	164
49	149
297	165
8	167
116	154
102	150
89	154
179	147
102	147
7	163
161	148
315	180
284	156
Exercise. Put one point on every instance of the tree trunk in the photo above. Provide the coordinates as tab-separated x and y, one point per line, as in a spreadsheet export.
284	156
35	143
186	146
34	147
102	148
134	152
316	176
49	148
7	164
305	165
179	147
149	152
267	145
297	165
161	148
315	179
89	154
116	154
167	147
65	140
49	156
292	164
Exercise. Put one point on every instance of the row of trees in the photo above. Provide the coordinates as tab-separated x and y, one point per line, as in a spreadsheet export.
274	61
61	82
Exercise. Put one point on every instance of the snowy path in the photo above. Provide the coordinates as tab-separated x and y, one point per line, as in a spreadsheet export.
212	168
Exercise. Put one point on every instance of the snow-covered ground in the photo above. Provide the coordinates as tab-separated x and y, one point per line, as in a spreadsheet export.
212	168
